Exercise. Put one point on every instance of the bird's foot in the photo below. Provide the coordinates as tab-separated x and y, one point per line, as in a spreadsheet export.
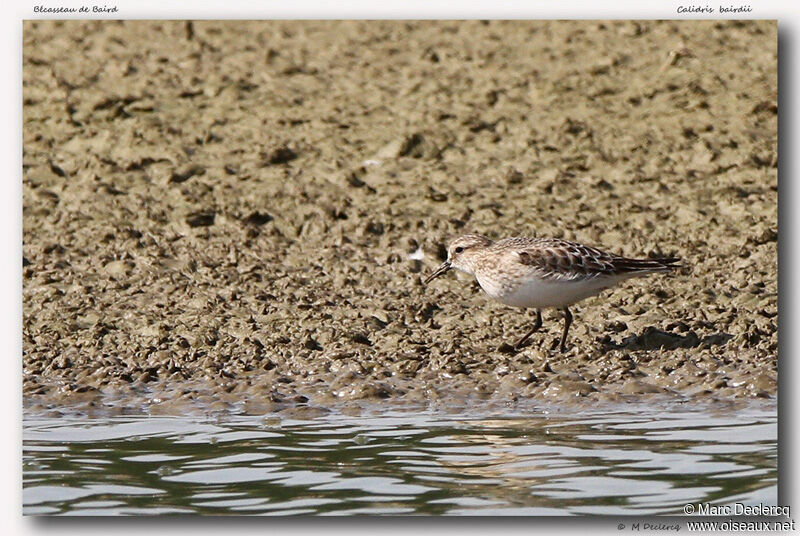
520	344
506	348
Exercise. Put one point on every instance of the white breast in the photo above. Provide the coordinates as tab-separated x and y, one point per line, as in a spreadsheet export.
542	293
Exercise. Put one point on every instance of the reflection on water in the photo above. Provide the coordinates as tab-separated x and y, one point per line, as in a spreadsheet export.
628	460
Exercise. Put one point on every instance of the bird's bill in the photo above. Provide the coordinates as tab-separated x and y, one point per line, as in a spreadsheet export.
441	270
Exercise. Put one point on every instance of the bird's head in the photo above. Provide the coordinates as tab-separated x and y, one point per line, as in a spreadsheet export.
461	255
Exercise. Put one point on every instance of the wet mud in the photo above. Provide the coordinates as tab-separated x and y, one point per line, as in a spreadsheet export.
240	214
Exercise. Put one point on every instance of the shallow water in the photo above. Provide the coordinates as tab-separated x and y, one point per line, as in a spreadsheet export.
632	459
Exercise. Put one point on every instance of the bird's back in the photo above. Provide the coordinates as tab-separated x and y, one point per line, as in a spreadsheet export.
555	258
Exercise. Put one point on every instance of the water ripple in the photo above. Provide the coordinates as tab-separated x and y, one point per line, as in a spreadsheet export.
633	460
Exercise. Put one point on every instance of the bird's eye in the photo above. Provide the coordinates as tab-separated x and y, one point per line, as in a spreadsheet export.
459	249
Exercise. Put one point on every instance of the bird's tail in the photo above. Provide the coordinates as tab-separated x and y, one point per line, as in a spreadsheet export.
632	266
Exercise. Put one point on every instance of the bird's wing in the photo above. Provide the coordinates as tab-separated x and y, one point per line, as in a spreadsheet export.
564	260
559	259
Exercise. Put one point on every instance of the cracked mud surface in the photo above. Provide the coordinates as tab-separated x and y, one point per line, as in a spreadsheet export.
238	215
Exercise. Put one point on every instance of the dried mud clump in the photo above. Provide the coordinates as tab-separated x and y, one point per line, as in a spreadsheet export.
239	214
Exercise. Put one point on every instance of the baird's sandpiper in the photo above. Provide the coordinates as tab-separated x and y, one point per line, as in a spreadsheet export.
543	272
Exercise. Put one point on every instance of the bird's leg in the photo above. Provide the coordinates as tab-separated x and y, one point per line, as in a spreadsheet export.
536	327
567	321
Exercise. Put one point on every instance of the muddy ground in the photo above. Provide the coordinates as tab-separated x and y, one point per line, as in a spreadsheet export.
226	214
